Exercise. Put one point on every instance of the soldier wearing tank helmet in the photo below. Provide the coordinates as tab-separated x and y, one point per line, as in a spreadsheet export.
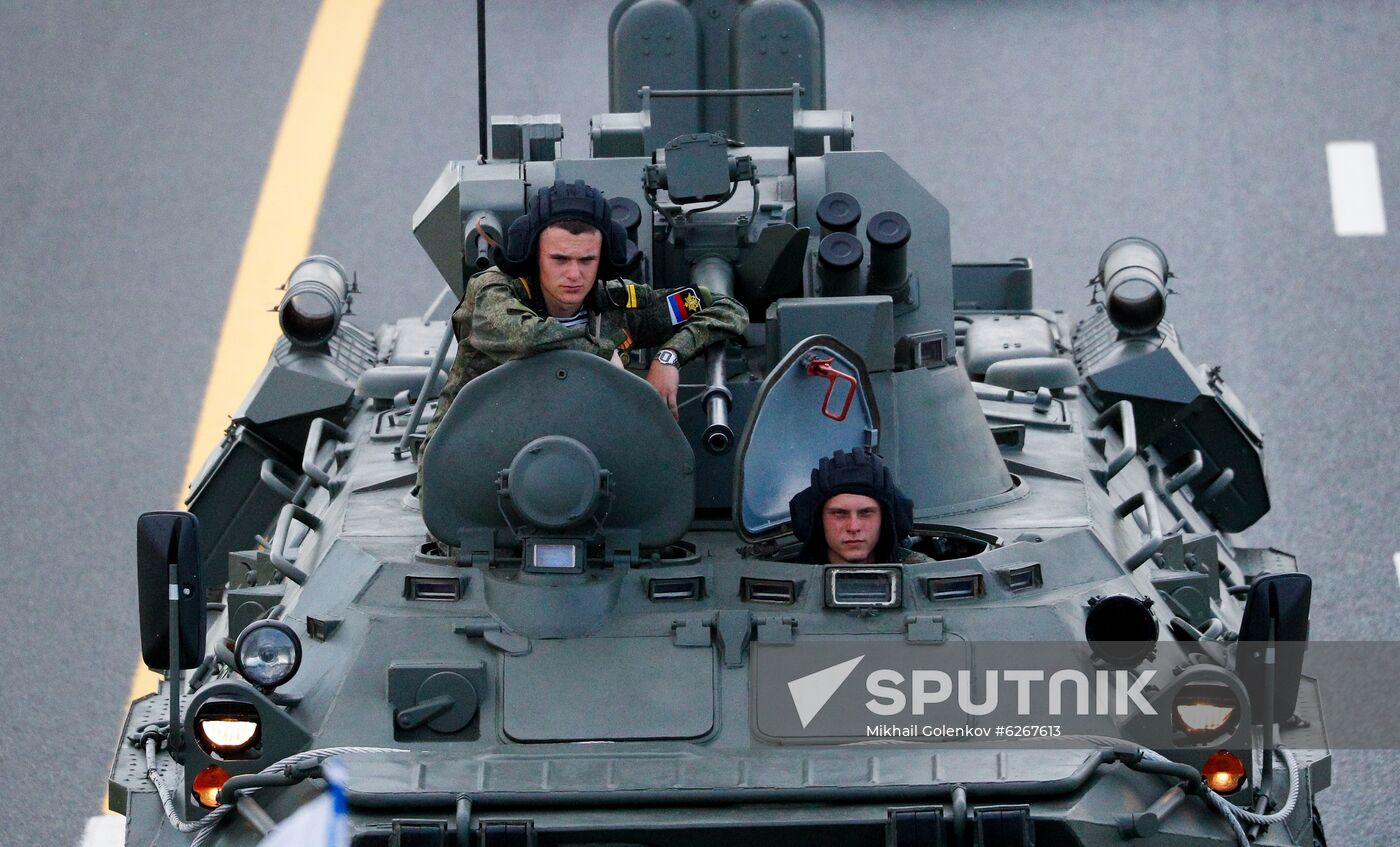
853	513
560	284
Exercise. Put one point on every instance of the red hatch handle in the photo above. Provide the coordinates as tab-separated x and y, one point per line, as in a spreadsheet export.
824	369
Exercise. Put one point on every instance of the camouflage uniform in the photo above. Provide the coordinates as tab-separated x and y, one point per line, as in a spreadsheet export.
496	322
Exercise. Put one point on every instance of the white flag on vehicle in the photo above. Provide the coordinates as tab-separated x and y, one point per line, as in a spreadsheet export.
324	822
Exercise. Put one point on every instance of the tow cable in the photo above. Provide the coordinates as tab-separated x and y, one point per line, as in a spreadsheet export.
151	737
1234	814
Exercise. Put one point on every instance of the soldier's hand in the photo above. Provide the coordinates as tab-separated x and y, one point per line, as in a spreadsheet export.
667	381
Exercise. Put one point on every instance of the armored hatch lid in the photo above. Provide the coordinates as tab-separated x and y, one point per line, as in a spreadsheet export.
608	689
616	415
800	417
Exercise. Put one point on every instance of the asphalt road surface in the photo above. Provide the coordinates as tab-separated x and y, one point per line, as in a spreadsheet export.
136	140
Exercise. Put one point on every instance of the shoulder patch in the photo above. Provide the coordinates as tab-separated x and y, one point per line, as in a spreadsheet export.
681	303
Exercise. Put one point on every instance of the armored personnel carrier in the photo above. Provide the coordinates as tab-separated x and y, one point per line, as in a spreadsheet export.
589	626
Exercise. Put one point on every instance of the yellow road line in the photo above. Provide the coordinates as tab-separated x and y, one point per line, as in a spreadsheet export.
283	222
144	681
285	218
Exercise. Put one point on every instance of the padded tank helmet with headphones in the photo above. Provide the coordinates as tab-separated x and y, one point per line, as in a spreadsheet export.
578	201
850	472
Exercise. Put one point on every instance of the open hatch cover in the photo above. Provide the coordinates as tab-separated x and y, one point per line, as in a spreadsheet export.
817	400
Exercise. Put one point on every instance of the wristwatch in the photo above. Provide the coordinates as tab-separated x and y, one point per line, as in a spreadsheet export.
667	356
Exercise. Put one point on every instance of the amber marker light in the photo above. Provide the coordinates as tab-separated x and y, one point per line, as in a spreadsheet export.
1223	772
207	784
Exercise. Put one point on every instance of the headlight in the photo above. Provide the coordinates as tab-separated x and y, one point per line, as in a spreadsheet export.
228	729
268	653
1203	711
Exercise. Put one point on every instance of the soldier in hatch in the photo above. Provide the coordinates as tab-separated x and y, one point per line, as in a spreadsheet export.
852	513
559	284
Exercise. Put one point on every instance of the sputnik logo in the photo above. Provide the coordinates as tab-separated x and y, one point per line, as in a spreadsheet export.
811	692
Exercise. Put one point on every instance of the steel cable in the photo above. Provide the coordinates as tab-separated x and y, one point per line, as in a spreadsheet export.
205	826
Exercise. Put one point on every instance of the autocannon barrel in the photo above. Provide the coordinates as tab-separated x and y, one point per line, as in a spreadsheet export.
483	232
318	295
716	274
718	435
1133	274
888	234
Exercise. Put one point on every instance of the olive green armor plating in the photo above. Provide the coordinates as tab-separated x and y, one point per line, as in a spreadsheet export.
555	640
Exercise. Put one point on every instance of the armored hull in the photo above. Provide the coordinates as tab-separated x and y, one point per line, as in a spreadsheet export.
588	626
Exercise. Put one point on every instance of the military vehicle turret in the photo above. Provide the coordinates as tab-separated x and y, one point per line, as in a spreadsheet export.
589	627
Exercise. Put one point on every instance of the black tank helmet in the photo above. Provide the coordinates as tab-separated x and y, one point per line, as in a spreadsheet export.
858	472
519	255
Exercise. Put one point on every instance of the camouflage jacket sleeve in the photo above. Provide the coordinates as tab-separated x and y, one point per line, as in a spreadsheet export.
494	325
493	321
670	319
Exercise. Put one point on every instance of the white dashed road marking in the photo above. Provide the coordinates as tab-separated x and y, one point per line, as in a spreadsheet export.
104	831
1354	173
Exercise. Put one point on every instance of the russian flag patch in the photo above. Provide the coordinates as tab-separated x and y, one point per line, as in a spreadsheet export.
681	303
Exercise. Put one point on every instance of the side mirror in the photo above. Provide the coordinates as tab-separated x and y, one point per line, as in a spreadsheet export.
164	539
1276	611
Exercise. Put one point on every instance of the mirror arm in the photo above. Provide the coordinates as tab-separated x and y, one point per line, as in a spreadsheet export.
173	673
1266	776
1270	657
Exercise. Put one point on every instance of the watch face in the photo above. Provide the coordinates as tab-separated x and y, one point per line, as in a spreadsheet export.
668	357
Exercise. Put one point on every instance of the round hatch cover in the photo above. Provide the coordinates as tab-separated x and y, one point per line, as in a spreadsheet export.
553	482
